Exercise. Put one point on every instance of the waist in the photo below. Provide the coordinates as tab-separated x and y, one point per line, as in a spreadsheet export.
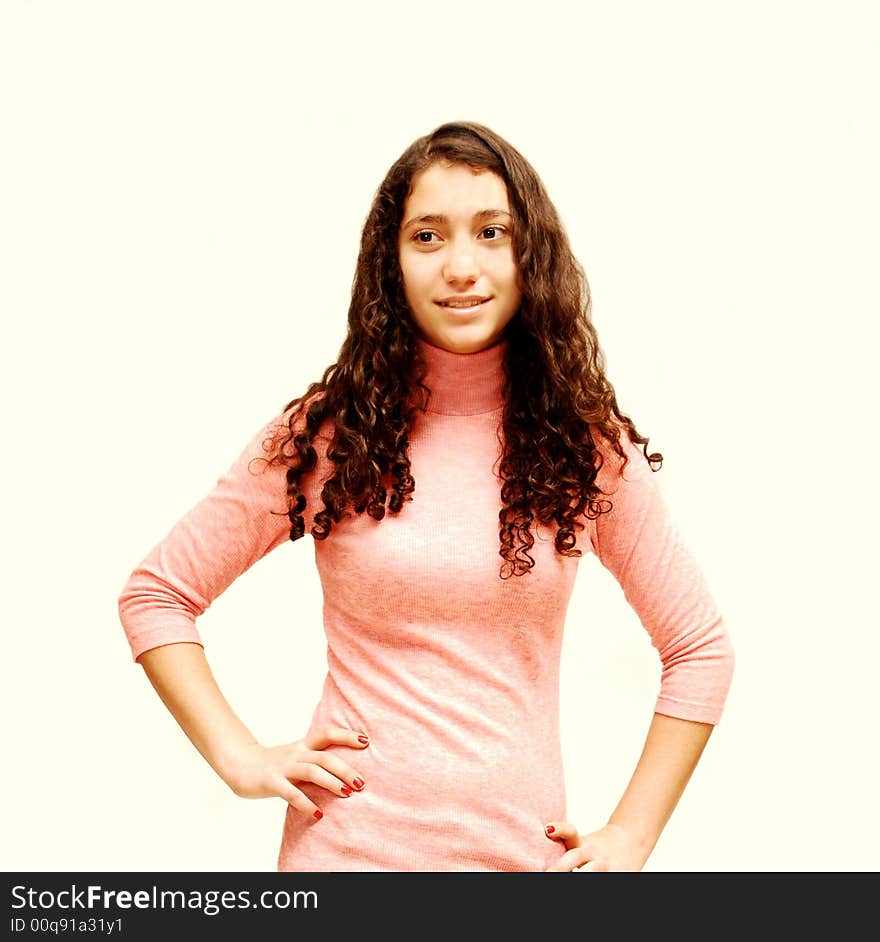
438	796
429	814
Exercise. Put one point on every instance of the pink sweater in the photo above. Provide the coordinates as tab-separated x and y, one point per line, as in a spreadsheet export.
452	671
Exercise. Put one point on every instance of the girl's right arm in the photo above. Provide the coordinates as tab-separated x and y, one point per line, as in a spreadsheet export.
183	679
231	528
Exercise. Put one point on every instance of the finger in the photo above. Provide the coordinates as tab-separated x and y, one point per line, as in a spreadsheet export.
337	736
563	831
298	801
569	861
335	766
309	772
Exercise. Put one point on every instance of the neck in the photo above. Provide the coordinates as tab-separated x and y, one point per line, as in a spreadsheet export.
464	383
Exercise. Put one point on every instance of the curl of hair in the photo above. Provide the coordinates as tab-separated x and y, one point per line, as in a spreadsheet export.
555	384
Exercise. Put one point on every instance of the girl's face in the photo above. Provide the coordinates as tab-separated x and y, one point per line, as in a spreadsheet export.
456	256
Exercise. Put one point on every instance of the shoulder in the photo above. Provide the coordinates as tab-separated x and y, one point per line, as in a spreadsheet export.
630	493
274	444
616	469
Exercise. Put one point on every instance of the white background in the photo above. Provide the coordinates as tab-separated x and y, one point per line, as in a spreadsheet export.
183	186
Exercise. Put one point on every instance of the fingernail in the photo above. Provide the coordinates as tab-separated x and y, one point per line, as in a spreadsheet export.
550	829
358	783
319	814
345	790
364	740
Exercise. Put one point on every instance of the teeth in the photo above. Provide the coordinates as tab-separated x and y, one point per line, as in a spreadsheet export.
460	303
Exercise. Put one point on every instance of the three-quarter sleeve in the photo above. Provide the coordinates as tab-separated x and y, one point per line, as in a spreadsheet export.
638	542
241	520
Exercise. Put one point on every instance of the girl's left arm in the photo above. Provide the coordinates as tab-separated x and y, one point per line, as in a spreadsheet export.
670	754
638	542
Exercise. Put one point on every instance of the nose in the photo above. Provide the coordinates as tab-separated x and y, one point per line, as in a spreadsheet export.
461	264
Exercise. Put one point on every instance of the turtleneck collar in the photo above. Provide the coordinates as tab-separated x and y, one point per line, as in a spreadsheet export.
464	383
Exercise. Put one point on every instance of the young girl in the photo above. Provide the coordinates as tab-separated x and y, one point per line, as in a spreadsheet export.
452	466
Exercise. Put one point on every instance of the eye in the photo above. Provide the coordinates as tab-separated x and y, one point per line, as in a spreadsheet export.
493	233
424	236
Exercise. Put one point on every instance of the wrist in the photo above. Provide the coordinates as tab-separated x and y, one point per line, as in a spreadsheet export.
230	757
641	838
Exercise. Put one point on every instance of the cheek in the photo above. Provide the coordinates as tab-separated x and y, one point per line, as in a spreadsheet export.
509	286
417	274
506	275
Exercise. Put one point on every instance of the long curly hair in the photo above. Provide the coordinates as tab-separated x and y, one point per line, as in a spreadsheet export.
555	386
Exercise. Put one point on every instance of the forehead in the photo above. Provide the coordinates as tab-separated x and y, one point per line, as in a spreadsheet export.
442	188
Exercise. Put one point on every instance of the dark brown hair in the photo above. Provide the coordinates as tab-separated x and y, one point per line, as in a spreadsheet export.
555	386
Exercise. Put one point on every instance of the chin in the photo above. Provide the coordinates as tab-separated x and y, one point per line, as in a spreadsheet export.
462	342
466	345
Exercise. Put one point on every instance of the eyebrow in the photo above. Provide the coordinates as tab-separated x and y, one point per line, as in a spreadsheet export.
440	219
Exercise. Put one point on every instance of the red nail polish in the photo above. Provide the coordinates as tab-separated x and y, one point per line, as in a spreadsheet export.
358	783
319	814
345	790
550	829
364	740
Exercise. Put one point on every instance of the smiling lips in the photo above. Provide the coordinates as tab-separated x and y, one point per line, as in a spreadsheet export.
463	303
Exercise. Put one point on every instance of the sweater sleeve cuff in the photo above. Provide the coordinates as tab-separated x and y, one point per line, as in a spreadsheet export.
156	637
685	710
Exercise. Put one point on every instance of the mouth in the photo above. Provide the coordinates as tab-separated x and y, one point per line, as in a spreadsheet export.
465	305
